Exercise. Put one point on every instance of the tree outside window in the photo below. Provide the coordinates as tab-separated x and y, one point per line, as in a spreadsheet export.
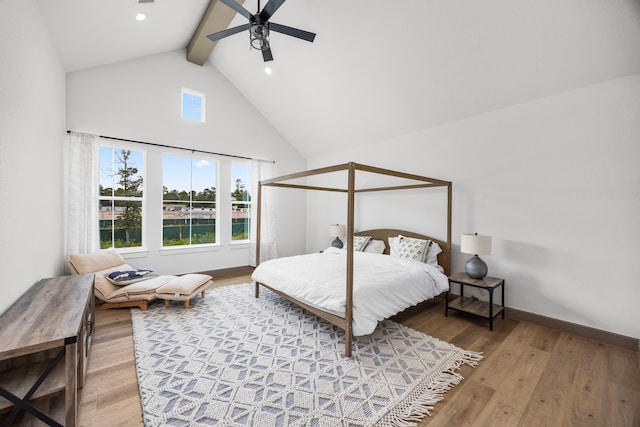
240	201
121	197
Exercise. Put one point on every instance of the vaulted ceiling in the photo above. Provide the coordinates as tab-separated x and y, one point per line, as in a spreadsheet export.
377	69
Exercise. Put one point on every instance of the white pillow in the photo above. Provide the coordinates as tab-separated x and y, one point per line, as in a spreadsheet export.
432	254
375	246
394	246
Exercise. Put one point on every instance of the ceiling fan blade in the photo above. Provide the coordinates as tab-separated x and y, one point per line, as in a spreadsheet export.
266	54
294	32
269	9
241	10
228	32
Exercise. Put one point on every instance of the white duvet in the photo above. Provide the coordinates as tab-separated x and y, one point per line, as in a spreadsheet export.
382	285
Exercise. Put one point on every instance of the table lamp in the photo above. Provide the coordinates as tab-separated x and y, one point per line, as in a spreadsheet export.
476	245
337	230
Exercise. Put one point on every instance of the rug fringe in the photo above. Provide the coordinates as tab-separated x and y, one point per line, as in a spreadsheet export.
472	358
432	393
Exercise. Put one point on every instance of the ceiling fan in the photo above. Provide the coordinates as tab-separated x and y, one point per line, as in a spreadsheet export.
259	27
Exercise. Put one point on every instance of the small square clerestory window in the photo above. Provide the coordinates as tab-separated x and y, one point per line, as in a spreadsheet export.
193	105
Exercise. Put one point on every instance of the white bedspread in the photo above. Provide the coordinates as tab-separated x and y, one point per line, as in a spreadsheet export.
382	285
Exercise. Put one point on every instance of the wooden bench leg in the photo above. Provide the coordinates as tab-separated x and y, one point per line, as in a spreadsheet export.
186	303
142	304
166	303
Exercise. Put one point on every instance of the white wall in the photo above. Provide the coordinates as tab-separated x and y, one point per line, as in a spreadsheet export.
556	183
31	134
140	100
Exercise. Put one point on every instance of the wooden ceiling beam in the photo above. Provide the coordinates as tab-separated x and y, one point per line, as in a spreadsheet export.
216	18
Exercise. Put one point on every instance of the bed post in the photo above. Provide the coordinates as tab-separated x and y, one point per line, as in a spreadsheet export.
348	334
449	205
258	222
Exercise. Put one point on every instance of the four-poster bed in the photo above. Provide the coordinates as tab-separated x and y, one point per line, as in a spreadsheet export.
345	319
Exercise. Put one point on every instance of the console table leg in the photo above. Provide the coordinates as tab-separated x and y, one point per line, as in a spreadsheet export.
70	396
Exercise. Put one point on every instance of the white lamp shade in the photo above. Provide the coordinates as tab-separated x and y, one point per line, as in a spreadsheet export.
475	244
337	230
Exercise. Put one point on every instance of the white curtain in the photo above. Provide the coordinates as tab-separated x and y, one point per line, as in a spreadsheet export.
261	170
81	184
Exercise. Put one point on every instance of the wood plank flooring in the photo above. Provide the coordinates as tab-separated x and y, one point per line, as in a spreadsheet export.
530	376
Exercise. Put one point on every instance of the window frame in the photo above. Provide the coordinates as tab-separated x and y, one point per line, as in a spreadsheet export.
190	156
248	187
203	109
123	145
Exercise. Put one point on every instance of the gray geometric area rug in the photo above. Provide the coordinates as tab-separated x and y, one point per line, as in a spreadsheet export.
234	360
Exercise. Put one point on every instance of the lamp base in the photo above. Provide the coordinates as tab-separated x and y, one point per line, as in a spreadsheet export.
476	268
337	243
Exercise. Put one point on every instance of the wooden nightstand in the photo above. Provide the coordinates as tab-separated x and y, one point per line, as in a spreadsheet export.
488	310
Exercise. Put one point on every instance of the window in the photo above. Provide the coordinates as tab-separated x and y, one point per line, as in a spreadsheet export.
240	201
188	201
193	105
121	197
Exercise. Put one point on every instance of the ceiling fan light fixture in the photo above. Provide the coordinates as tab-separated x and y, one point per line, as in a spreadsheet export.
259	27
259	36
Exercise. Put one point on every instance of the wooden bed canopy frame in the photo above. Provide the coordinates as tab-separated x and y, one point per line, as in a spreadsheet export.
444	259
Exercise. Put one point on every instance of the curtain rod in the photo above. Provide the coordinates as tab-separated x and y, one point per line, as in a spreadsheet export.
178	148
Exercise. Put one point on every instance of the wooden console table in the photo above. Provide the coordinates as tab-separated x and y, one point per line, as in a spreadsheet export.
44	343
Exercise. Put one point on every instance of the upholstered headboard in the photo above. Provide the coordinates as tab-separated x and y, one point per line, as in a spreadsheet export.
444	258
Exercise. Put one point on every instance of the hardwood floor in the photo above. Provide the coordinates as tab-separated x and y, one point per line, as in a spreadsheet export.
530	376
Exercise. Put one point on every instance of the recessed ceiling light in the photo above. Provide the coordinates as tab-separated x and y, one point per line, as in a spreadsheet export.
267	70
141	16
